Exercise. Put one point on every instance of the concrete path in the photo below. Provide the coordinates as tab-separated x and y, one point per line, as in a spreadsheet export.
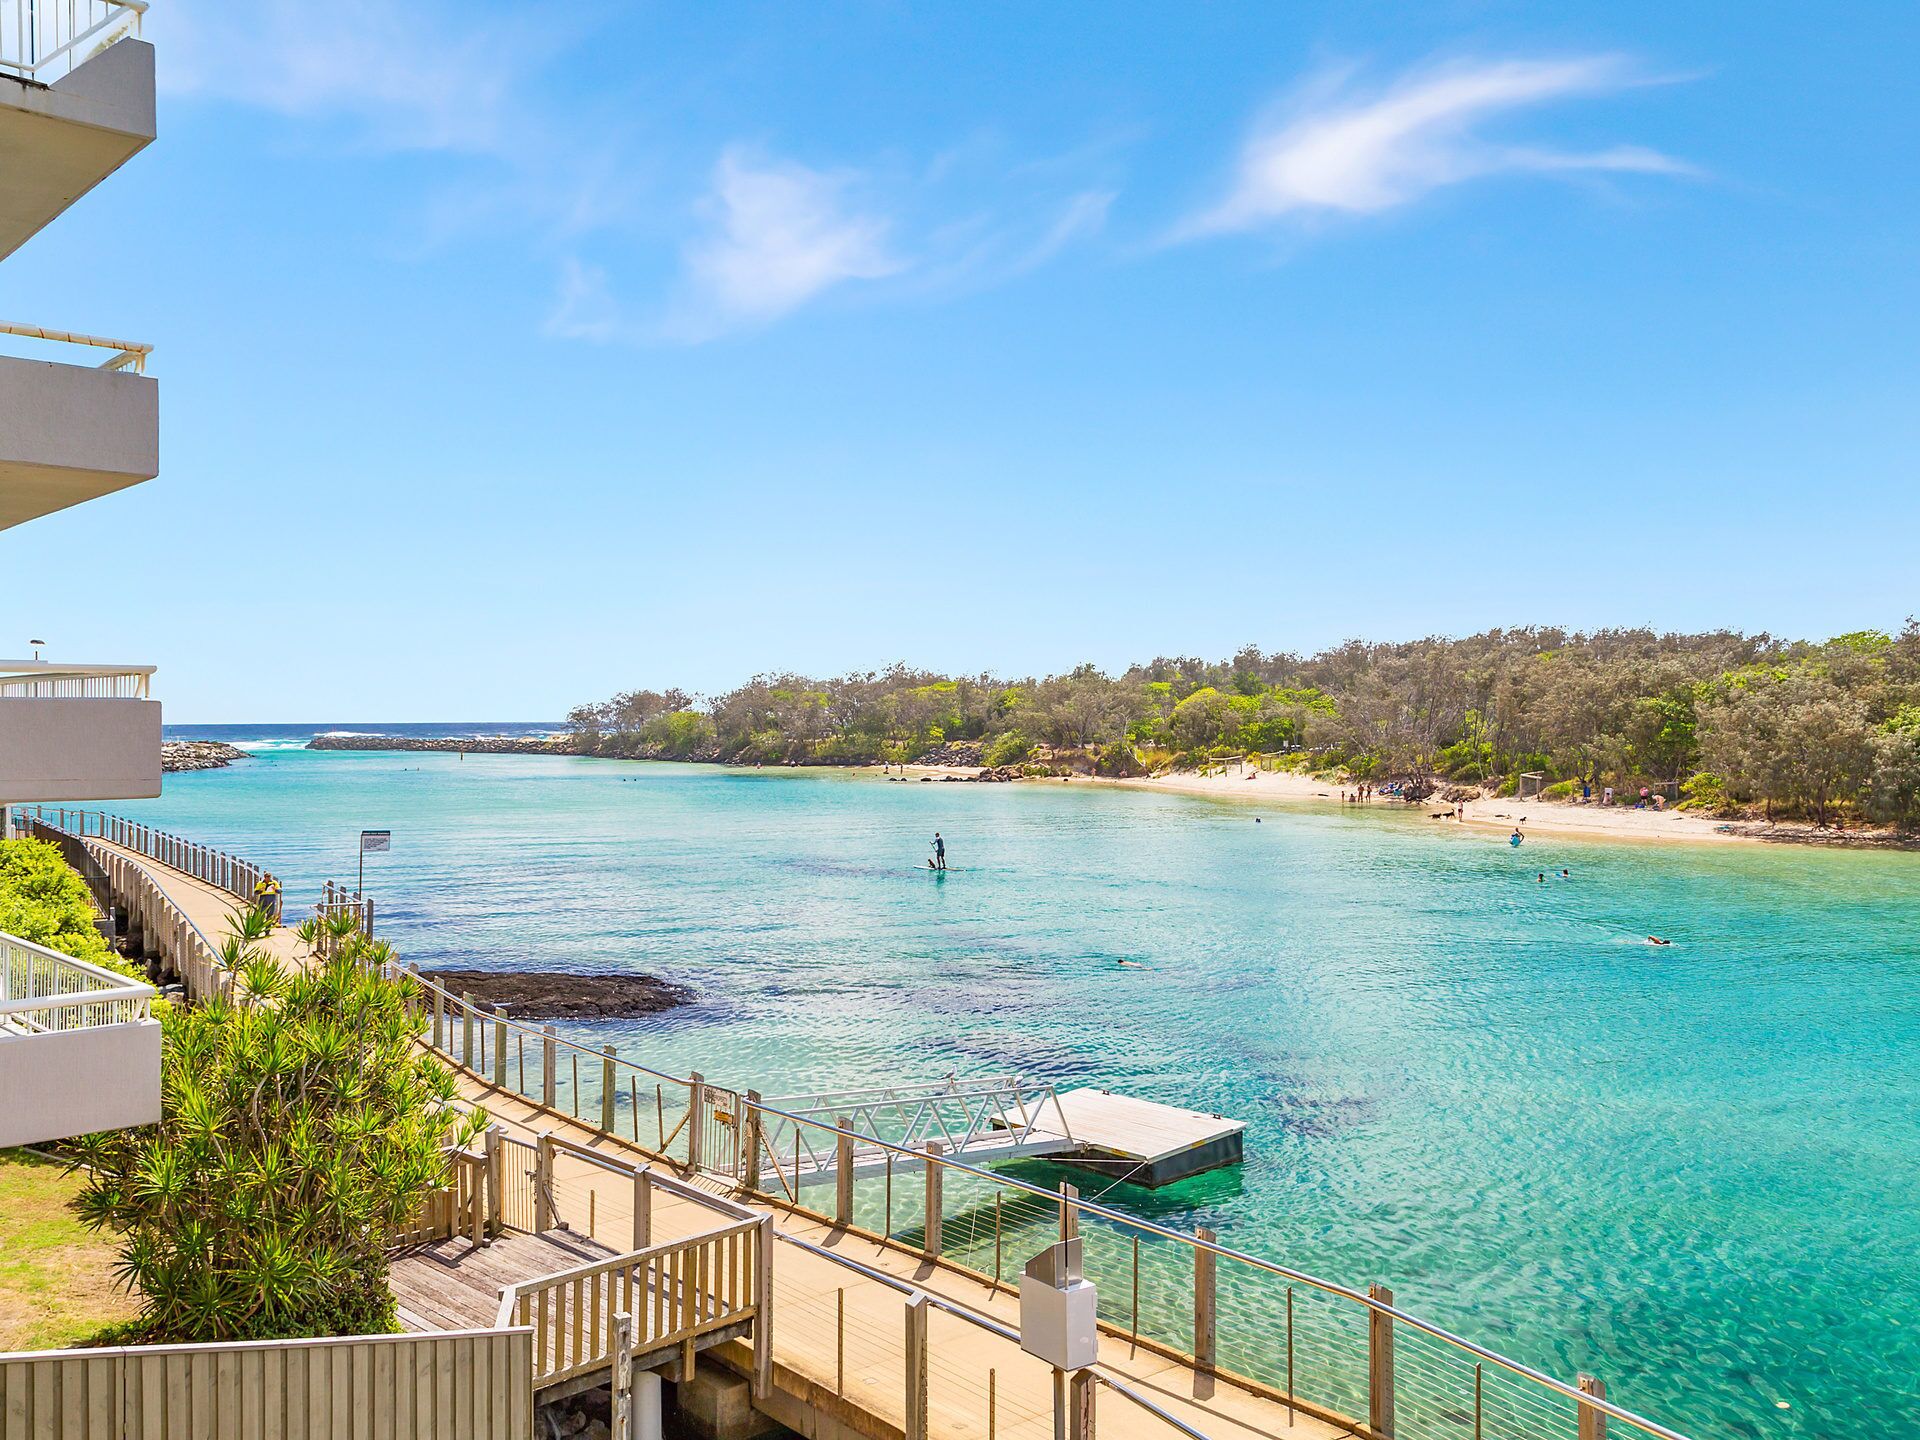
839	1336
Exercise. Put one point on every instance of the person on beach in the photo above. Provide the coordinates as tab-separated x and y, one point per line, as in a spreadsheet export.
939	852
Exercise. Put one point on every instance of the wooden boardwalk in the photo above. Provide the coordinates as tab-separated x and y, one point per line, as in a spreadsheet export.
455	1285
838	1334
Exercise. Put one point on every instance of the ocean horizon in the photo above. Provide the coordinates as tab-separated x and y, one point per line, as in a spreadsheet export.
236	733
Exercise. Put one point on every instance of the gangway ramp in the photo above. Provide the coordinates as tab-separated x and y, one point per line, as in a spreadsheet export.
1000	1118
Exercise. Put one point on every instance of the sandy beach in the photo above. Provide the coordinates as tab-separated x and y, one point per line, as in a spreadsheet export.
1594	822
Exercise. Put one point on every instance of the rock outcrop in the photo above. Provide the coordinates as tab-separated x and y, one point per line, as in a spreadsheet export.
198	755
467	744
564	994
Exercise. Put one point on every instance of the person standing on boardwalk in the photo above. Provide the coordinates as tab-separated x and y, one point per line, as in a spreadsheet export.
939	852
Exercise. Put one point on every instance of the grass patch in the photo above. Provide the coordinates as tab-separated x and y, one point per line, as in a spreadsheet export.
56	1276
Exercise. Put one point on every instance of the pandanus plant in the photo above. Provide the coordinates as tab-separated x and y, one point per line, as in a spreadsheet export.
300	1129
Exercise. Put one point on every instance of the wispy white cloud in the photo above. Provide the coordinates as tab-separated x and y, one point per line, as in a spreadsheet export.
778	235
583	309
1338	151
418	76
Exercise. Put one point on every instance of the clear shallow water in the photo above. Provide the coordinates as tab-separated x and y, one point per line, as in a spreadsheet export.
1690	1170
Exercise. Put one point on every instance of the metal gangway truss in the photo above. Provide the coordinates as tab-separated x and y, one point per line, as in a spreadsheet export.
978	1120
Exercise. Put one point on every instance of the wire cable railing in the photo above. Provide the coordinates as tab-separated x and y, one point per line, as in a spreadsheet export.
1334	1351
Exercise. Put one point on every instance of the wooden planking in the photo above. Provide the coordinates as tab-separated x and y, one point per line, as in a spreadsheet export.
376	1387
455	1285
1138	1129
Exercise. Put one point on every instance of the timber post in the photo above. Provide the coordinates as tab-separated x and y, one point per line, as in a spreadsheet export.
696	1093
1593	1422
549	1058
1080	1388
750	1137
1205	1311
496	1191
642	1207
606	1089
916	1407
500	1047
542	1182
930	1241
843	1172
1380	1364
622	1409
763	1309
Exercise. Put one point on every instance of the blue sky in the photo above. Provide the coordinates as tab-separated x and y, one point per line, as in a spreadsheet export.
514	355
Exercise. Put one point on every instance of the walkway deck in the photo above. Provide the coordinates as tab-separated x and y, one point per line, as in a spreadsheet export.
809	1291
455	1285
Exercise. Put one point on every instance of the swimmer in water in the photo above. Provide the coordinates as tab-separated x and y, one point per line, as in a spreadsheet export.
1565	875
1656	940
1541	877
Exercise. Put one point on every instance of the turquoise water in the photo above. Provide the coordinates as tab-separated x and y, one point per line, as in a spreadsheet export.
1689	1170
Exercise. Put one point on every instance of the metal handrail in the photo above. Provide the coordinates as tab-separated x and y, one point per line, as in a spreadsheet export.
1586	1400
129	1000
46	680
1225	1252
1193	1242
129	354
224	871
36	35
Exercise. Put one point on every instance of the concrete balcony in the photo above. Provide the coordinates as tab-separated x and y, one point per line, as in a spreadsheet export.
71	433
77	732
79	1049
59	140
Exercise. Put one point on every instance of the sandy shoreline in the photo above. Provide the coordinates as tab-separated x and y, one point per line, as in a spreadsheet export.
1592	822
1543	817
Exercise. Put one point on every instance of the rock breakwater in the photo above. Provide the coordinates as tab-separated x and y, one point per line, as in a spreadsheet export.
178	755
465	744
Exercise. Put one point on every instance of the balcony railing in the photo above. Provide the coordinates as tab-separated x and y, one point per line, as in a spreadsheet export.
44	39
127	354
42	991
46	680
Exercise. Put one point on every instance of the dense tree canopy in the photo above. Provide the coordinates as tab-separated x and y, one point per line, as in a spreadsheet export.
1819	729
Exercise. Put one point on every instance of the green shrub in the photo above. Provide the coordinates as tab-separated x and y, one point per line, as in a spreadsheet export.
1008	749
299	1129
1559	790
1705	791
43	900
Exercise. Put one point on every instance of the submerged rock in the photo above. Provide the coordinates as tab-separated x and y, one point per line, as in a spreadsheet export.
564	994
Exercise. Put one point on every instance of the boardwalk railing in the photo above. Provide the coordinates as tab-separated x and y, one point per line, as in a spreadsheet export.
44	39
156	925
460	1385
216	867
43	680
677	1293
42	990
995	1113
1331	1350
467	1204
1344	1354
